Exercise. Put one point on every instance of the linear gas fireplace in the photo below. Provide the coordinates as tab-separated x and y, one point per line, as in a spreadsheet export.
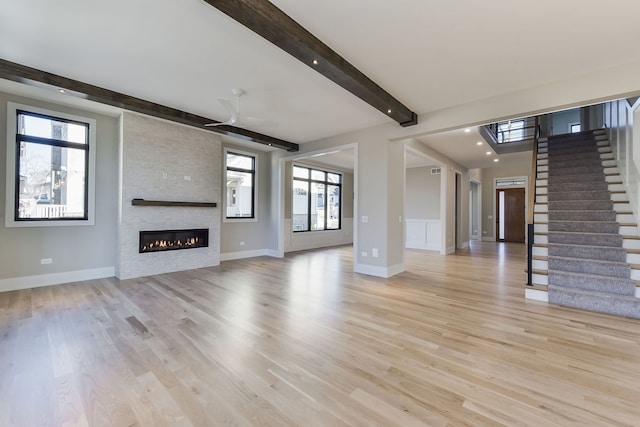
171	240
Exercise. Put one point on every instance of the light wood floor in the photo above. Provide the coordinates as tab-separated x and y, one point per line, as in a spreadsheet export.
304	341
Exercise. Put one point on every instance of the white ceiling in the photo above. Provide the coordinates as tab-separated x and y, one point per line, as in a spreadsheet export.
428	54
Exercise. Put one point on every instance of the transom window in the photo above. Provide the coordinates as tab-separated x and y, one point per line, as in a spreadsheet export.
52	171
316	199
241	183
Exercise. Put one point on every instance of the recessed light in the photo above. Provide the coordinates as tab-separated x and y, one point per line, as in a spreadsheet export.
479	143
315	62
61	90
467	130
488	153
496	160
389	111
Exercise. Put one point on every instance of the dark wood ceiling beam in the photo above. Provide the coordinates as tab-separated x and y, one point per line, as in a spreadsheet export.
23	74
266	20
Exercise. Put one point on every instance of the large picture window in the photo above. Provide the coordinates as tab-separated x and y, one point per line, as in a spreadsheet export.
241	184
50	162
316	199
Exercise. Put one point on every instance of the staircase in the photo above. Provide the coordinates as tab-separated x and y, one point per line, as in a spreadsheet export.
586	245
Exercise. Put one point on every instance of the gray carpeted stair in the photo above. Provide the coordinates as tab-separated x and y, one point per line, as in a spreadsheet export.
586	260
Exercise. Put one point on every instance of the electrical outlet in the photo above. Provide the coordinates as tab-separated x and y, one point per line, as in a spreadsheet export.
46	261
374	252
363	254
187	178
165	175
241	243
365	219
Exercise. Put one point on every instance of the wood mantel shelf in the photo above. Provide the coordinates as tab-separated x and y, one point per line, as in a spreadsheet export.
143	202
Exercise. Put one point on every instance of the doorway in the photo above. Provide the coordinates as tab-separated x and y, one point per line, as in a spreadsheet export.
510	215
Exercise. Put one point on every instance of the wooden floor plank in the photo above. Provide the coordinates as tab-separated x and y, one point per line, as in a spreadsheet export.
304	341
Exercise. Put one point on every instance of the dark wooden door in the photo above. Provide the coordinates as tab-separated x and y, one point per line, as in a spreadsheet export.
514	214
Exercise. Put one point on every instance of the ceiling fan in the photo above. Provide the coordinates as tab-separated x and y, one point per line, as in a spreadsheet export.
235	118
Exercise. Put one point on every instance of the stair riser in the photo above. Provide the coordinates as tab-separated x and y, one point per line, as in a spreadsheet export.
587	252
568	215
624	287
595	155
555	162
580	170
560	179
611	240
591	266
583	205
585	227
578	186
579	195
572	148
629	307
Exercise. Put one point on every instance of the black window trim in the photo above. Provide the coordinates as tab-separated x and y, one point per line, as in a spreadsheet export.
51	142
326	183
252	171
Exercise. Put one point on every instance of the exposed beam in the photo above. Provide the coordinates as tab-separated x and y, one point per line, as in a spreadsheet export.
23	74
266	20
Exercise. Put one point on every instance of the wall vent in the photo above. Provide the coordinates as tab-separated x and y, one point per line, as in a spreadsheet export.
435	171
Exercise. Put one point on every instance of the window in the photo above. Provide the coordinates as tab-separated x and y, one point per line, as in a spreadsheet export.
574	128
316	199
50	167
241	184
510	131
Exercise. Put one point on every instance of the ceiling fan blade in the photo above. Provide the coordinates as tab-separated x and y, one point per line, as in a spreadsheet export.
227	123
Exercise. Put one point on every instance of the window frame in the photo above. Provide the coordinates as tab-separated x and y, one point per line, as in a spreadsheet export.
309	182
254	188
12	166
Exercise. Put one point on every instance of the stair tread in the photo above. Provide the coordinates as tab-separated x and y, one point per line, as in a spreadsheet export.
537	287
591	260
587	232
598	293
573	245
571	273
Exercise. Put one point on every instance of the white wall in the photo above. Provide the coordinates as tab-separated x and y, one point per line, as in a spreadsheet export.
625	144
422	209
246	238
422	193
562	119
78	252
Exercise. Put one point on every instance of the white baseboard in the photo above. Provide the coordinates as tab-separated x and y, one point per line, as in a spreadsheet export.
451	249
536	295
422	247
229	256
274	253
372	270
27	282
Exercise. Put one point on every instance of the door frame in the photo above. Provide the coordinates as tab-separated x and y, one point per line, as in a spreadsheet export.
526	201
